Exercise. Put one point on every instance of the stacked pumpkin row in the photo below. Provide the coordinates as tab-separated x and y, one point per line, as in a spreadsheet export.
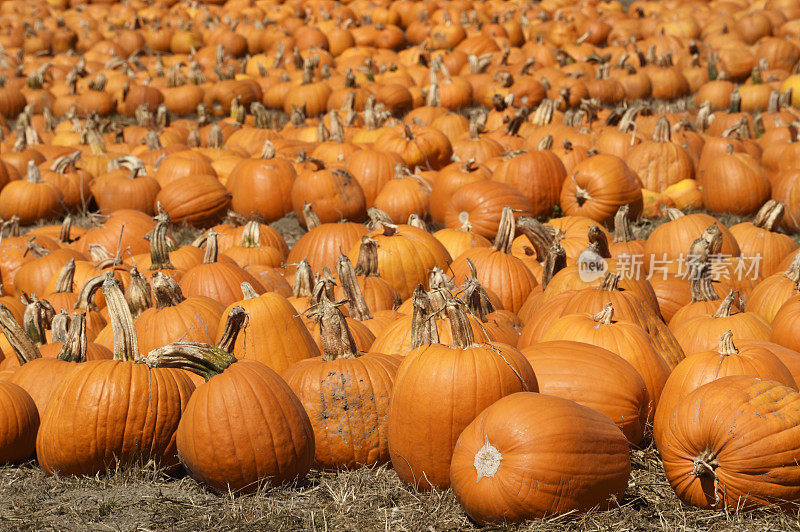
360	373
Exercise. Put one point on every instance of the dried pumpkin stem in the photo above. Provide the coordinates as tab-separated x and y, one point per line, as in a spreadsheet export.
461	328
303	280
610	282
622	225
505	231
310	217
126	345
159	245
251	235
726	307
335	336
475	296
440	280
212	251
537	234
236	321
65	277
769	215
201	359
367	263
605	316
598	237
793	271
85	299
38	316
75	344
248	291
420	324
356	303
137	293
726	346
23	346
555	261
59	326
166	291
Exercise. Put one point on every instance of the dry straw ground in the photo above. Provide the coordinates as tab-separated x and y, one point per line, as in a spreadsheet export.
371	499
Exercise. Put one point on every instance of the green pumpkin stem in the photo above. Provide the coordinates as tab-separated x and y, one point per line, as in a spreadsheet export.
138	294
75	344
23	346
126	344
356	303
202	359
505	232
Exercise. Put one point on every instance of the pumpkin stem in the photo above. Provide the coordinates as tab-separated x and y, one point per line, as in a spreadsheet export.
610	282
538	235
59	326
325	284
378	218
461	328
335	336
736	102
356	303
701	287
137	293
85	299
212	251
505	231
166	291
673	213
23	346
201	359
251	235
662	131
475	296
126	345
726	307
793	271
303	280
236	321
367	263
248	291
554	262
159	245
440	280
605	316
74	345
423	324
415	221
65	231
34	174
62	164
769	215
37	317
310	217
65	277
599	239
705	465
546	143
622	225
407	133
726	346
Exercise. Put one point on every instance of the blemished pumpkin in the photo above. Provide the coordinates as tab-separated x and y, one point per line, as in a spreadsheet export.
731	443
531	455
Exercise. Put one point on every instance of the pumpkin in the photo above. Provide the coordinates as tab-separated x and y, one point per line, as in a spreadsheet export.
598	186
538	175
346	395
660	163
92	423
31	199
760	244
334	194
372	169
730	443
482	203
497	269
323	242
423	433
418	146
126	187
532	455
593	377
620	337
701	368
200	200
242	406
18	424
262	186
735	183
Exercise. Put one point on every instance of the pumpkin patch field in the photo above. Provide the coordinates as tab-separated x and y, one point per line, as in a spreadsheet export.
399	265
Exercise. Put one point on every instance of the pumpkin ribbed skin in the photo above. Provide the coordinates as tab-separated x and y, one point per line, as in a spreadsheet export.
395	339
273	336
556	456
322	245
41	377
593	377
406	257
746	430
701	368
500	272
220	281
200	200
19	421
347	436
192	320
112	411
438	391
243	426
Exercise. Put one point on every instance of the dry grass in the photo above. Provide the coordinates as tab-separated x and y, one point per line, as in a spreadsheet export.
364	500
